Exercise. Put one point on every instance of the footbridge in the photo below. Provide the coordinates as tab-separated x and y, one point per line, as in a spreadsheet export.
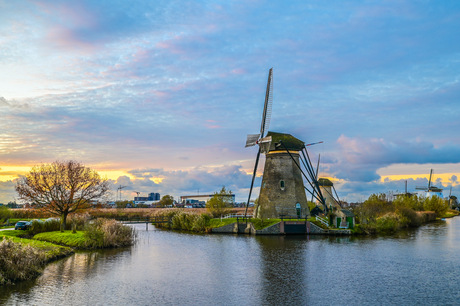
146	220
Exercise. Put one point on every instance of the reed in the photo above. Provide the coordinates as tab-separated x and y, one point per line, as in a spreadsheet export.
19	262
108	233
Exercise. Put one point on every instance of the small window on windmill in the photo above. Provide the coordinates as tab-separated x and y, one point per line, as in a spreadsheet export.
282	185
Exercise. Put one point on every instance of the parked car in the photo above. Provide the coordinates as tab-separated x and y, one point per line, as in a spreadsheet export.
22	225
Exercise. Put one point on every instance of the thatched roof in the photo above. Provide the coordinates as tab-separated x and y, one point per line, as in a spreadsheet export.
325	182
288	141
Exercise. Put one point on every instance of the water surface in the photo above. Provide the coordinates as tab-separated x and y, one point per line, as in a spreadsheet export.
170	268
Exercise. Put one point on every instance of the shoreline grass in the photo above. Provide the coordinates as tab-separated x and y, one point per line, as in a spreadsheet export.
67	238
24	255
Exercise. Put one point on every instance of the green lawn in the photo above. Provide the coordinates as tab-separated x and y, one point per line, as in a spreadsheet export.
450	214
52	251
75	240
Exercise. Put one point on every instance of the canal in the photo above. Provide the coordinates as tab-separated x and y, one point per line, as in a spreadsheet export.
169	268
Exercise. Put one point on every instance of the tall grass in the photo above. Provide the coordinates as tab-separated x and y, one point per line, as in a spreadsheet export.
5	214
39	226
380	215
19	262
185	220
107	233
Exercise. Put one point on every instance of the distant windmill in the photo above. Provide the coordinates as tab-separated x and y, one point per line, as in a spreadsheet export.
282	191
431	190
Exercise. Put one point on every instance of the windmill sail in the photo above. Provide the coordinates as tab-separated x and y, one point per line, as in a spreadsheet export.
252	139
267	113
264	143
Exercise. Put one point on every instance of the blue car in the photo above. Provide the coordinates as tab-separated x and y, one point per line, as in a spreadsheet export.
22	225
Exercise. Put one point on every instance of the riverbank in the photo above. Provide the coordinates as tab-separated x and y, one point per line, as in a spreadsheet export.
389	223
24	254
24	259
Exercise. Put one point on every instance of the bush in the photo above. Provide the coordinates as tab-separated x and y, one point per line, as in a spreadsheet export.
375	206
77	222
413	202
30	213
105	233
49	225
220	204
410	217
389	223
181	220
436	204
5	214
19	262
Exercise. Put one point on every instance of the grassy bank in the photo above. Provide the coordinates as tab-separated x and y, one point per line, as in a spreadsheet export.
450	213
197	221
24	254
23	259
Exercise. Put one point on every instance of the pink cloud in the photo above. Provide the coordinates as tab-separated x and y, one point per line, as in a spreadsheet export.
239	71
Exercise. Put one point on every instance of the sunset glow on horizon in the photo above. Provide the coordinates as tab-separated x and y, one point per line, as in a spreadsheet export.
163	104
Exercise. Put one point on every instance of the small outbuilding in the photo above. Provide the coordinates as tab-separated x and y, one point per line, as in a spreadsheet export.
343	218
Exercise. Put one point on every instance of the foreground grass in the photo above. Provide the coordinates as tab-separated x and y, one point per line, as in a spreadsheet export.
51	251
24	259
263	223
450	213
217	222
75	240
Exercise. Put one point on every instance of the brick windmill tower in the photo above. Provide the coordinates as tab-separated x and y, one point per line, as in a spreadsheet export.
282	191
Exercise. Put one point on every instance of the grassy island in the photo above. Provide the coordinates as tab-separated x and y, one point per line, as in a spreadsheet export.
24	254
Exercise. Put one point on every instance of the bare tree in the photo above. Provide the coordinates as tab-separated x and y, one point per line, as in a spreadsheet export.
61	188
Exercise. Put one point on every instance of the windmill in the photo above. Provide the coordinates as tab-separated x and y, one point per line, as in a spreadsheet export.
282	191
431	190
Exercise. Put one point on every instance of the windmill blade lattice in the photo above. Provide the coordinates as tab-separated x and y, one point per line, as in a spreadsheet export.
253	139
267	113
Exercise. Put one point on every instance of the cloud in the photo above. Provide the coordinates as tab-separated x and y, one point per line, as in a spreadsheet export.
172	85
359	159
7	191
201	180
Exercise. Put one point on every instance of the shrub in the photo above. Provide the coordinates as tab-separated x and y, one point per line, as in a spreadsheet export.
49	225
108	233
19	262
77	221
220	203
410	216
388	223
375	206
436	204
5	214
31	213
413	202
182	220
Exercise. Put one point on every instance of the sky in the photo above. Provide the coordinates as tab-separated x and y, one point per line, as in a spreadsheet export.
158	96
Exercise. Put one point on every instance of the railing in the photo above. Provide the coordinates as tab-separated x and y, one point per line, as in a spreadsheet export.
323	221
236	216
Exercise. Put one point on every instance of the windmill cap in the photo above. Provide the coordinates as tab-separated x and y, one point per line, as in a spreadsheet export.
325	182
289	142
